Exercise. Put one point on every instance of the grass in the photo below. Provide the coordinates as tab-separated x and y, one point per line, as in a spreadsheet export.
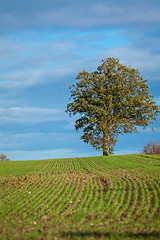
115	197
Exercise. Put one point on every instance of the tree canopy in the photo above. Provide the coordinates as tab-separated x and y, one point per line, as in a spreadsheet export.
112	100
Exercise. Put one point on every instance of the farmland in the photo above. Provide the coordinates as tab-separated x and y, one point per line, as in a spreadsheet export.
115	197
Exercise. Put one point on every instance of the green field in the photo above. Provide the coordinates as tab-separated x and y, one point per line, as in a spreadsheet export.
115	197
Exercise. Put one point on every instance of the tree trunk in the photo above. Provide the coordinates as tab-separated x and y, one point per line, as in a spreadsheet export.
106	152
106	144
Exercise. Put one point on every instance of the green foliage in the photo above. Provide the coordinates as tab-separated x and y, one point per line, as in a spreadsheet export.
112	100
152	147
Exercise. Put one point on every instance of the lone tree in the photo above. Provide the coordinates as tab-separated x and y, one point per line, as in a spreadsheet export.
3	157
113	100
151	147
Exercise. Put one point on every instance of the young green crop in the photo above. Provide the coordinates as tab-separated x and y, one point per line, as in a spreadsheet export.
81	198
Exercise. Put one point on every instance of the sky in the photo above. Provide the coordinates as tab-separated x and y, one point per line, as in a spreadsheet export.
44	44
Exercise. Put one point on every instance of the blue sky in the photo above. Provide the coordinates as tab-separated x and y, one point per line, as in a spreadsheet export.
44	44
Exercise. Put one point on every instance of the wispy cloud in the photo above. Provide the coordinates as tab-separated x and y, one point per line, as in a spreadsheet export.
82	14
30	115
41	141
49	154
146	61
27	61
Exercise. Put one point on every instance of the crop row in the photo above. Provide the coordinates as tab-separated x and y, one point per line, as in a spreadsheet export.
81	192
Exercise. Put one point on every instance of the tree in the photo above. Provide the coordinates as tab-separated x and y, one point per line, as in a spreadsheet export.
3	157
112	100
151	147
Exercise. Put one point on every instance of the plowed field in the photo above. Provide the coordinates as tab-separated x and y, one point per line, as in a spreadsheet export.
114	197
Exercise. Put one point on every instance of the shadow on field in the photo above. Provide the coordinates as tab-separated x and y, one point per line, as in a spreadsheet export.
152	235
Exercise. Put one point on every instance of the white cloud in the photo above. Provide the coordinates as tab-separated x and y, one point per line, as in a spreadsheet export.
143	59
24	63
125	14
48	154
37	140
30	115
39	155
25	79
82	14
